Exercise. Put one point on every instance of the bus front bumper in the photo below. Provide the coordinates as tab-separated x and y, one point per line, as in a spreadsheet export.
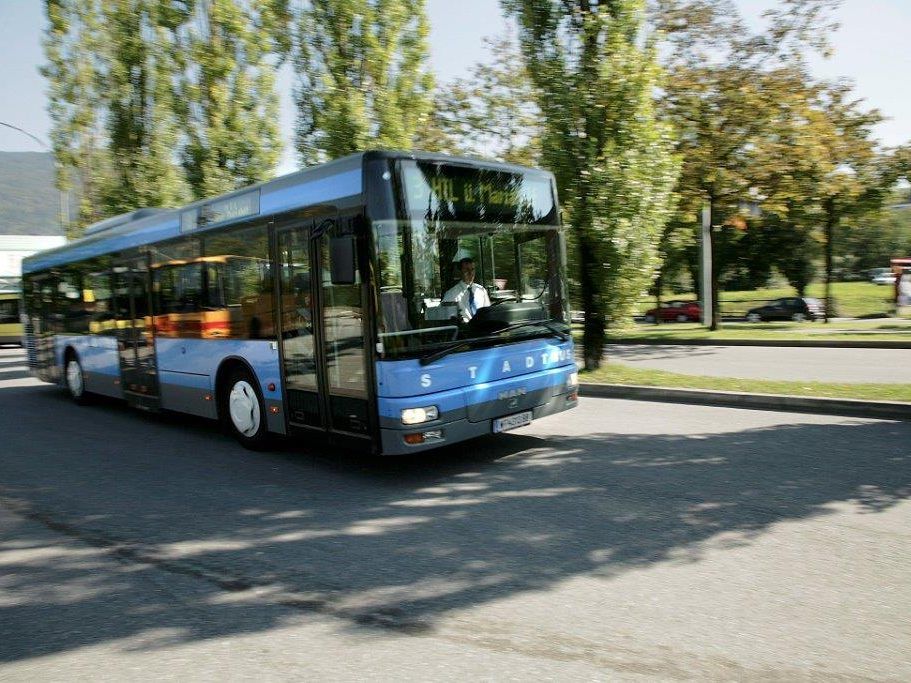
435	436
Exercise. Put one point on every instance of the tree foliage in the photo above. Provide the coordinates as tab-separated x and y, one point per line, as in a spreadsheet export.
155	100
872	240
595	75
227	55
363	78
71	45
492	113
137	72
743	105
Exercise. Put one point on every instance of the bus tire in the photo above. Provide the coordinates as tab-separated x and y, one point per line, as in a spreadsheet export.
75	379
242	409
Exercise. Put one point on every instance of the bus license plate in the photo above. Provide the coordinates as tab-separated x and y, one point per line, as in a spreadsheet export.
504	424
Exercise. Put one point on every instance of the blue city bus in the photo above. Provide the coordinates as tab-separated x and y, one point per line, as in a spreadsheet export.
315	304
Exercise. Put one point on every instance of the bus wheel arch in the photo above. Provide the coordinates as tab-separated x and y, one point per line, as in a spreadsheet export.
74	376
241	408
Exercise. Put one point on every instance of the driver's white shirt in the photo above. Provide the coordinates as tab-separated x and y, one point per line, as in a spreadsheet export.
459	294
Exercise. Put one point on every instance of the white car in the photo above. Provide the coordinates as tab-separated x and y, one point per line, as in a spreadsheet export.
882	276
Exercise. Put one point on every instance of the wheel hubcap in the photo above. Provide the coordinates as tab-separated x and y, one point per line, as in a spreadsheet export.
244	408
74	378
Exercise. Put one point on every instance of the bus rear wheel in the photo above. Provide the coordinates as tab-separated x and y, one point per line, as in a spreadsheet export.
75	380
242	410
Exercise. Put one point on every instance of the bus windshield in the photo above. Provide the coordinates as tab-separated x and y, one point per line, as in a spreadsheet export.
472	254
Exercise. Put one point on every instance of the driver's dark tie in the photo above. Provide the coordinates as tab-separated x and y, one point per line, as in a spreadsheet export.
472	309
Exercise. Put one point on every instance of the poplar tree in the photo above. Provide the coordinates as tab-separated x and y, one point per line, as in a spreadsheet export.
595	74
227	53
362	76
71	46
138	79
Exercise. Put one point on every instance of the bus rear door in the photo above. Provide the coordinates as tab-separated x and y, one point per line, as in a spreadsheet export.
135	333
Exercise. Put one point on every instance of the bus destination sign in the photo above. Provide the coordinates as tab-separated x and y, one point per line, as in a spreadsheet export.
476	194
460	189
220	211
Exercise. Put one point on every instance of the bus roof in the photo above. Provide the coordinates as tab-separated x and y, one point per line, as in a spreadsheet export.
327	182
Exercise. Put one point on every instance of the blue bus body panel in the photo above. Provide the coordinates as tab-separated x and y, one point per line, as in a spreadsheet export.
99	358
313	192
97	353
408	378
203	356
454	401
187	370
320	185
471	390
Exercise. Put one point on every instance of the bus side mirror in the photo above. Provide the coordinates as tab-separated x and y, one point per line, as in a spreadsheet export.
342	256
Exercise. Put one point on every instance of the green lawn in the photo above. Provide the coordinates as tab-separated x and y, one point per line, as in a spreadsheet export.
616	373
852	299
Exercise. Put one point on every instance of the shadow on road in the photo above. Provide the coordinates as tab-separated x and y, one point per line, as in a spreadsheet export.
392	544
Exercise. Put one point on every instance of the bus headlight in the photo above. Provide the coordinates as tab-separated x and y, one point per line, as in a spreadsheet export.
572	380
414	416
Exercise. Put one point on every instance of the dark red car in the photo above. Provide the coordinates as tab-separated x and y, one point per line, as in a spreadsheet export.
680	311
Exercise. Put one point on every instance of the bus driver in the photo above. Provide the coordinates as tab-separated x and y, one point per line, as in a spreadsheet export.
467	294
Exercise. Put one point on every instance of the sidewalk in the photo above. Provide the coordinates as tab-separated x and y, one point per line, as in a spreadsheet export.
882	410
840	364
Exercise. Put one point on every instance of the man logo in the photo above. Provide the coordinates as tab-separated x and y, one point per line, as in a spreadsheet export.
512	393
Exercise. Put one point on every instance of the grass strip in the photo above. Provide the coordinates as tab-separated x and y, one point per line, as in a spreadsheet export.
617	373
880	333
851	298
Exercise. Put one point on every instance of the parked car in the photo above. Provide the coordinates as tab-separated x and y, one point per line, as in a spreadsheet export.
681	311
788	308
882	276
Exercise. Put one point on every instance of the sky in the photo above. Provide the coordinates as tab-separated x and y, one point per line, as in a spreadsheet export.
872	49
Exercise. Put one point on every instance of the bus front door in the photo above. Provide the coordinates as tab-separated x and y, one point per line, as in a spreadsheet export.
322	334
135	334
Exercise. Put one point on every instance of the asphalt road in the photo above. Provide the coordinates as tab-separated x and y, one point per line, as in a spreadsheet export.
622	541
777	363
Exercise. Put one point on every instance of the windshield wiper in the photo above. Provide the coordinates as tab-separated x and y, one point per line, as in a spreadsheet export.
504	301
547	324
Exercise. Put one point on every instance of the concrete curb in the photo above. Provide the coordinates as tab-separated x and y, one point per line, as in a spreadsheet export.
885	410
822	343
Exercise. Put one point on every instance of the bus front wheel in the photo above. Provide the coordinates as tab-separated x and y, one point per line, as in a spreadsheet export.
243	411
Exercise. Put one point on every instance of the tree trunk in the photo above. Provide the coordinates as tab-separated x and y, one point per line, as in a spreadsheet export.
830	235
593	330
659	283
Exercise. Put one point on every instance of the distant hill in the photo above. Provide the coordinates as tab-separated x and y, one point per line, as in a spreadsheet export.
29	202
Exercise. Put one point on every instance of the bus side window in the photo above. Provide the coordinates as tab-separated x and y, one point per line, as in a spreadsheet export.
240	261
9	311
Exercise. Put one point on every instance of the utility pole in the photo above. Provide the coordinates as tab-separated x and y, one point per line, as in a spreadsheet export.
706	244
